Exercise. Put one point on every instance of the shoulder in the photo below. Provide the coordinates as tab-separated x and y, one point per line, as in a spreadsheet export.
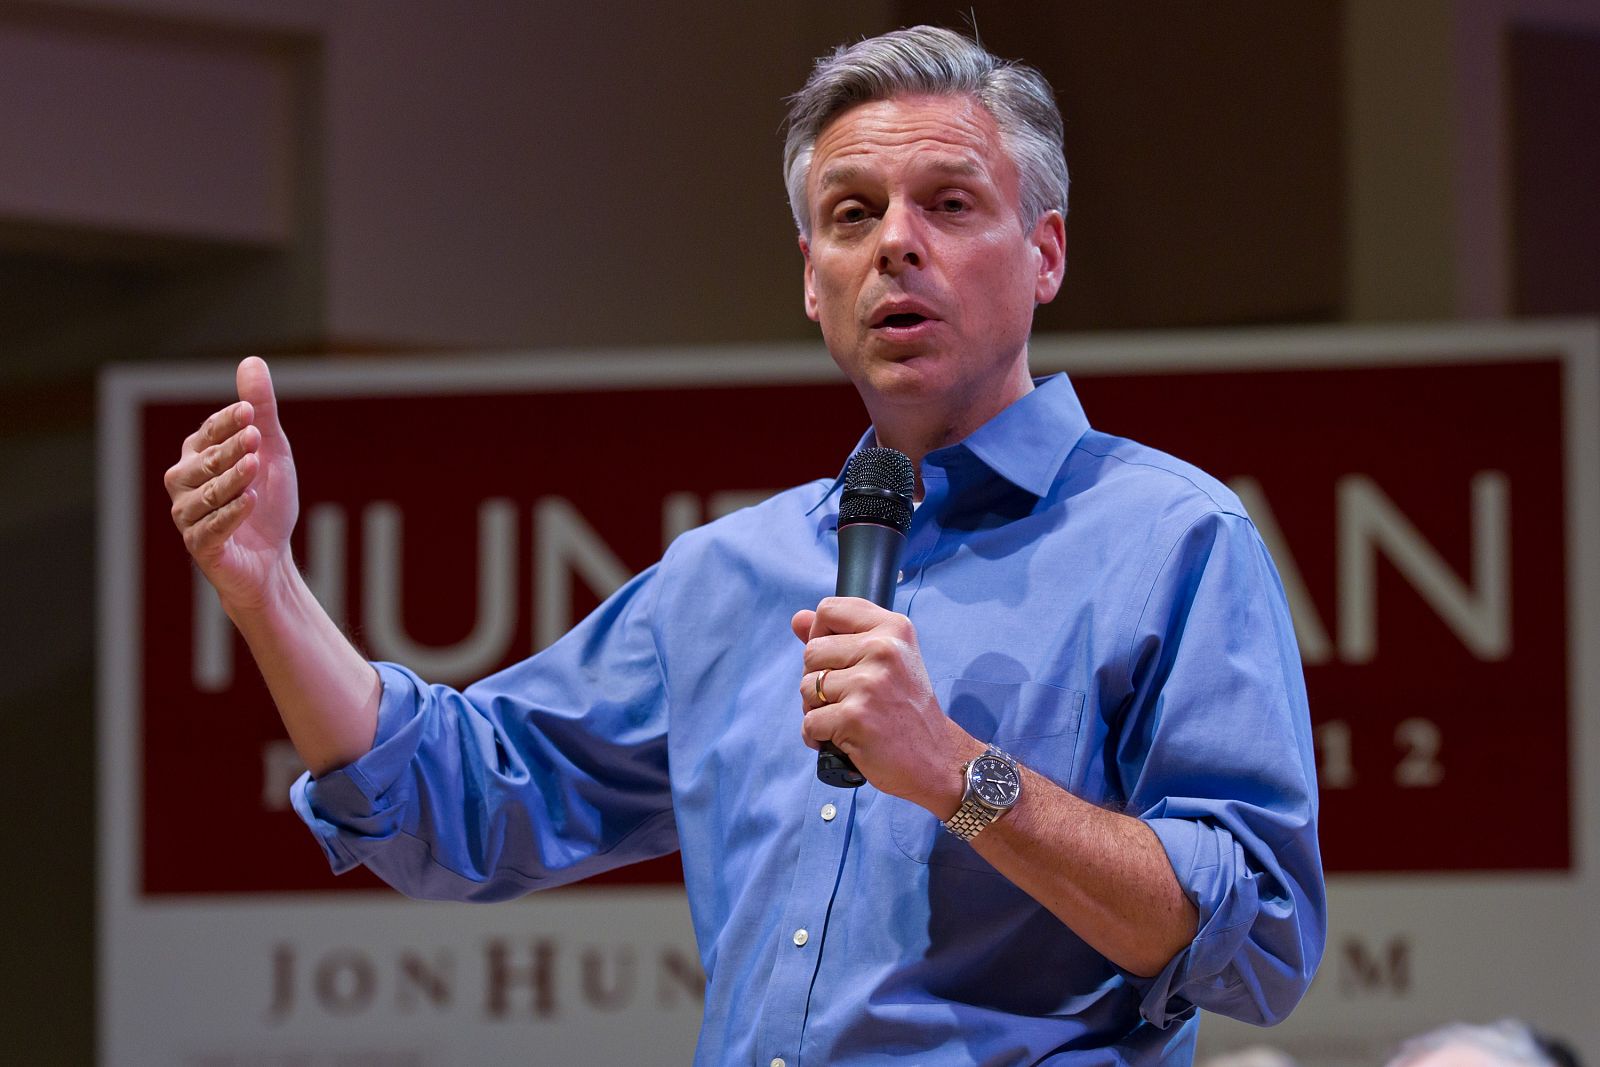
1192	550
787	520
1164	515
1151	485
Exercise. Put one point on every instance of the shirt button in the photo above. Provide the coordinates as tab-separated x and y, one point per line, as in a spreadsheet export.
801	937
777	1061
900	577
828	812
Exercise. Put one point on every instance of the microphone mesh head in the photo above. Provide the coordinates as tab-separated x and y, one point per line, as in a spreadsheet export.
878	486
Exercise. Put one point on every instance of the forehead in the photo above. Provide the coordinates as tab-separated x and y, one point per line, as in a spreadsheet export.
946	132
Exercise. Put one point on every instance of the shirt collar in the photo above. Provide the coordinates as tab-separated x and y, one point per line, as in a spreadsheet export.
1025	444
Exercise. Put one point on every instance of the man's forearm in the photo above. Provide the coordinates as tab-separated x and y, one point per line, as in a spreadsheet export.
326	692
1103	874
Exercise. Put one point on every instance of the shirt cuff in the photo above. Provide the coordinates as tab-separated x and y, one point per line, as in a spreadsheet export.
360	799
1205	860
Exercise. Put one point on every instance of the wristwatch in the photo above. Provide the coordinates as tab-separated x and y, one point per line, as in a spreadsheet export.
994	783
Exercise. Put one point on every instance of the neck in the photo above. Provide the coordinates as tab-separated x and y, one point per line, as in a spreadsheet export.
919	427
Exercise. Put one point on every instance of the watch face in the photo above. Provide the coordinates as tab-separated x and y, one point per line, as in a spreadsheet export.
994	781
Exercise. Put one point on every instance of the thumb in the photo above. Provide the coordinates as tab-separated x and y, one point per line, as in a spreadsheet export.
254	382
801	624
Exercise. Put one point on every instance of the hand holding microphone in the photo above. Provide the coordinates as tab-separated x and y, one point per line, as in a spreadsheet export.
874	515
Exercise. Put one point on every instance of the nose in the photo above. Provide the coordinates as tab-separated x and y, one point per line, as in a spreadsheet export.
900	241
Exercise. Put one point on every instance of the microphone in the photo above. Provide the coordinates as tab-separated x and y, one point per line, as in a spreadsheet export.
874	515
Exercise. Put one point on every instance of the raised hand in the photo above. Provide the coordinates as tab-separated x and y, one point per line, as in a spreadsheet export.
234	496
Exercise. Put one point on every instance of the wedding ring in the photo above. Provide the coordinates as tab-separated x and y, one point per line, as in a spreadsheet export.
822	698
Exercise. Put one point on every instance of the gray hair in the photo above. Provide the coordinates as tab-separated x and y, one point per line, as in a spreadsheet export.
926	59
1506	1042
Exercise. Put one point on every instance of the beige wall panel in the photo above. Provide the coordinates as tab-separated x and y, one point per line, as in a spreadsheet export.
554	175
1399	211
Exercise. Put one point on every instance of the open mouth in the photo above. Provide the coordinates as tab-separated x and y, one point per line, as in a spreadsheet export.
902	319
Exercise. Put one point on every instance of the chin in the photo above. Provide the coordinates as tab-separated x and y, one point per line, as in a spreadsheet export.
912	378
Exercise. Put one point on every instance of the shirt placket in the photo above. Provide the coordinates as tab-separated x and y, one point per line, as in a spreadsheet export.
802	933
922	538
824	841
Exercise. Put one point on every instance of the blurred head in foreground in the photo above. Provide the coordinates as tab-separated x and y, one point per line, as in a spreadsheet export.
1507	1043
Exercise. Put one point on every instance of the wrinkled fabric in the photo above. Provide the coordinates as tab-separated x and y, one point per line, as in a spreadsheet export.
1105	613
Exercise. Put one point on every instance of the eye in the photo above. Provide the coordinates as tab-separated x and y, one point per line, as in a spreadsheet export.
849	212
953	205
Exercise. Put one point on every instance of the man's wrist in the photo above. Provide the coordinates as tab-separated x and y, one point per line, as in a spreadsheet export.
280	597
993	787
950	781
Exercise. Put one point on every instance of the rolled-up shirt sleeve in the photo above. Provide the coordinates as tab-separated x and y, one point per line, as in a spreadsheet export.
1217	758
547	772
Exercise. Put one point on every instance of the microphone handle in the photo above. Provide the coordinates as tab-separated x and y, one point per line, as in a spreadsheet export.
869	567
869	562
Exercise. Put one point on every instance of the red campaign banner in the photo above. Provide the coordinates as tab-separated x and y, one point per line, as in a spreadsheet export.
1417	512
1428	750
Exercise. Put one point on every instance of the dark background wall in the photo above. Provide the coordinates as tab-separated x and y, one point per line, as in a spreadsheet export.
1205	144
197	179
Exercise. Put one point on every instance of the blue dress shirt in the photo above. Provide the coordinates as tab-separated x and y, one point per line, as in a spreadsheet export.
1103	612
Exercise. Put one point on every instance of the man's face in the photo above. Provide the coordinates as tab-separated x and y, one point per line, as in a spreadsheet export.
918	268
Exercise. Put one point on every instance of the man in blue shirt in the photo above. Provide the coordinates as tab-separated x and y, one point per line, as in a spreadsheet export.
1092	625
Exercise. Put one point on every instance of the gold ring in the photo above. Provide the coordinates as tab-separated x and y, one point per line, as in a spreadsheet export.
822	698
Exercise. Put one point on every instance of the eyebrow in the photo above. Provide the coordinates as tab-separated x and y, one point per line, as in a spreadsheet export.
843	174
846	173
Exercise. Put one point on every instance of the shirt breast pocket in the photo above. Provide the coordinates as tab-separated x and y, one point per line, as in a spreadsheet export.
1035	723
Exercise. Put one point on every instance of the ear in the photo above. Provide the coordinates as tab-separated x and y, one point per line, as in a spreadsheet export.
810	281
1049	239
